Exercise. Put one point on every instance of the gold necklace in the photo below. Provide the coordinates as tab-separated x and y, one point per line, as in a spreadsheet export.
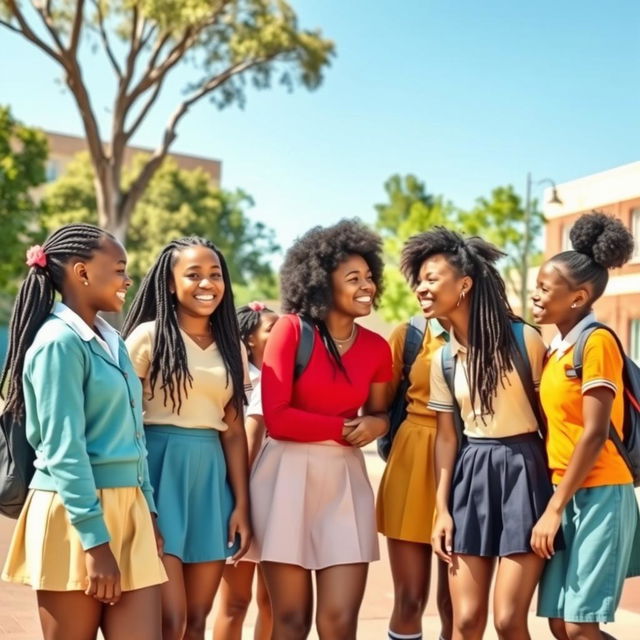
341	343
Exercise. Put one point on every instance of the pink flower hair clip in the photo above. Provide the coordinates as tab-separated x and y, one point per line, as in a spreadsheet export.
36	256
257	306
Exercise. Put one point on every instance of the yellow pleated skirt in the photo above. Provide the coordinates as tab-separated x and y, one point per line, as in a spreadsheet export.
46	552
407	493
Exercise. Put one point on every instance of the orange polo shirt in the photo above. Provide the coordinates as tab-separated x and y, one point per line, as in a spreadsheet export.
561	398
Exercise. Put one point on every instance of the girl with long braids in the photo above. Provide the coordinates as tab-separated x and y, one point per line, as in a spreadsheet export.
255	321
311	502
493	489
594	503
85	538
182	335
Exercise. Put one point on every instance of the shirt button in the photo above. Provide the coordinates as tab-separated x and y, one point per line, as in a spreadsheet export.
126	375
133	403
140	479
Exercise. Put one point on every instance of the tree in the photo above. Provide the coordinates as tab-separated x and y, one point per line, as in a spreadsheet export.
176	203
226	42
410	209
501	219
23	153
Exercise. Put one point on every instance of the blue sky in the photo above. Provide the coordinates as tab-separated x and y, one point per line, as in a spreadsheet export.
467	95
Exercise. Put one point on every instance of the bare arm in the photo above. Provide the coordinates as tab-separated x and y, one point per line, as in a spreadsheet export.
234	444
254	427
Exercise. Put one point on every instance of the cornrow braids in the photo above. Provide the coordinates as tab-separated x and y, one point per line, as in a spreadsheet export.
249	317
155	302
35	300
492	345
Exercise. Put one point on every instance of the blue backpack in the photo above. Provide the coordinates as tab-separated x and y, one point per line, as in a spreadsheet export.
522	366
629	445
398	410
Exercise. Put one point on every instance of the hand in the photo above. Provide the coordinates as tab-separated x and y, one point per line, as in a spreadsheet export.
544	533
443	533
239	525
362	430
158	535
103	575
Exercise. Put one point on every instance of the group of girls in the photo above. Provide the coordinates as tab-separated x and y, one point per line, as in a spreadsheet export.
142	504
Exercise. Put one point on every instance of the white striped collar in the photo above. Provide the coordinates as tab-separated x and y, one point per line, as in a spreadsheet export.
561	345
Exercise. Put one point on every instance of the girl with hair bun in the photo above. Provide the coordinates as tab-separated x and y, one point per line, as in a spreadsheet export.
255	321
493	485
86	540
594	502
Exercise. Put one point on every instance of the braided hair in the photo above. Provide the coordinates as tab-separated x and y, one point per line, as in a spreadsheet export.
35	300
600	243
305	276
492	345
155	302
249	317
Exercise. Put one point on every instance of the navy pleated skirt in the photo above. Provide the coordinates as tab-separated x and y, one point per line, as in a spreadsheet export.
188	473
500	489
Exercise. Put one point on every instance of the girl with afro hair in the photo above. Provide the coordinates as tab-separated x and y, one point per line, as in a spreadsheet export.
594	503
312	504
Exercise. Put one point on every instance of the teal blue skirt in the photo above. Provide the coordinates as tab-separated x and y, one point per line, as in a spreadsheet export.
188	472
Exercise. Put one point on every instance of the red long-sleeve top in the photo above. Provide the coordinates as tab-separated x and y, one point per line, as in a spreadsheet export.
314	407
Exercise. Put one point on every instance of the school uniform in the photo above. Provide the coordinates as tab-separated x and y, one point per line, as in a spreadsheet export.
500	484
187	466
91	484
583	582
407	494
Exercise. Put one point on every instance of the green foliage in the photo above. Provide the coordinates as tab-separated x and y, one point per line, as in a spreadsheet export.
411	209
177	203
23	154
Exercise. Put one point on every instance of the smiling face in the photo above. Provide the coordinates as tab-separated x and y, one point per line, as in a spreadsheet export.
197	281
440	288
105	275
555	301
353	287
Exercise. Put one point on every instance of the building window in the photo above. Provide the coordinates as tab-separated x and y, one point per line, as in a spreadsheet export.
53	170
634	340
635	229
565	241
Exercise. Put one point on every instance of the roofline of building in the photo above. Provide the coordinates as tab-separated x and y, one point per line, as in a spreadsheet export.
593	191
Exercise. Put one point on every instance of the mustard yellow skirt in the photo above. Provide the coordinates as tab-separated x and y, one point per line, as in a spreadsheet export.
407	494
46	553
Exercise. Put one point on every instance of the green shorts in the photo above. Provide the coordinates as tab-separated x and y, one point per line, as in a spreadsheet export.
583	583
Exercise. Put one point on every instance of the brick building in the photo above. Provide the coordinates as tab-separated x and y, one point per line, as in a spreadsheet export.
615	192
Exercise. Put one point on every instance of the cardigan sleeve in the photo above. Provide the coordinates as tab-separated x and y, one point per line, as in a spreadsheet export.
283	420
60	419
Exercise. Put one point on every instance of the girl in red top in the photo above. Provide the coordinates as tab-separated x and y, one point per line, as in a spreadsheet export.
312	504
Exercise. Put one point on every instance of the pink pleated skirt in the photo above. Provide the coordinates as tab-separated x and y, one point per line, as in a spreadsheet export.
312	505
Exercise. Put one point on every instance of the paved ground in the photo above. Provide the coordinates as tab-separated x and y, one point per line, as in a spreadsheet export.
18	619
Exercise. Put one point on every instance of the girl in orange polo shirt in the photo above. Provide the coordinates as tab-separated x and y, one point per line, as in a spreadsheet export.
594	501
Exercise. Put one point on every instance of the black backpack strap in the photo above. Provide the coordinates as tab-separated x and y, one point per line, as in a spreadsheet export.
448	364
416	328
305	346
522	365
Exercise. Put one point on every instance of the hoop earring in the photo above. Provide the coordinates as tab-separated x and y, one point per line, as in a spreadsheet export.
461	297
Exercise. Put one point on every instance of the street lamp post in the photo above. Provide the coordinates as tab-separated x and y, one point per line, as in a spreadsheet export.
526	244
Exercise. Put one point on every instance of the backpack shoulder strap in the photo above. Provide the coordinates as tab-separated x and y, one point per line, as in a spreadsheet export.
448	364
416	328
581	343
522	365
305	346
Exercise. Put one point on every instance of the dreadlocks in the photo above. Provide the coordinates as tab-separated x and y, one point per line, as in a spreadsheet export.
35	300
492	345
154	302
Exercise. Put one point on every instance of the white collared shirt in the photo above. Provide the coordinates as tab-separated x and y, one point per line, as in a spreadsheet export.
109	339
560	345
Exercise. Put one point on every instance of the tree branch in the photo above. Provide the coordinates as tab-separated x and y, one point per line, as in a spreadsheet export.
26	31
140	183
105	40
144	110
76	28
45	14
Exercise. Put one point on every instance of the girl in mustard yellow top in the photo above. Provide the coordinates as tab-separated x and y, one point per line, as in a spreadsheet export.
407	494
594	501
